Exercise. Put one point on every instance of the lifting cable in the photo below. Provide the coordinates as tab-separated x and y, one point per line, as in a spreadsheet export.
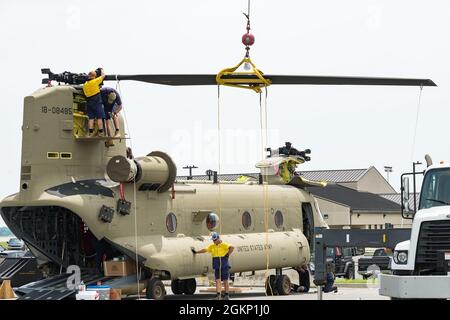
248	39
219	195
419	102
265	184
256	84
252	78
417	122
138	273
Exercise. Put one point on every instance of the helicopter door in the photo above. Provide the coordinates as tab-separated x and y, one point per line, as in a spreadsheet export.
80	118
308	222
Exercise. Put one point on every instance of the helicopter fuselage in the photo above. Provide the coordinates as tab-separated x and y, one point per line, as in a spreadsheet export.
64	187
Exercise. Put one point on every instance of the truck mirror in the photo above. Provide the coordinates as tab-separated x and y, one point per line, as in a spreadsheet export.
406	195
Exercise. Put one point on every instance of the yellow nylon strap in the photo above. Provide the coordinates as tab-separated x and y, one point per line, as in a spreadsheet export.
252	84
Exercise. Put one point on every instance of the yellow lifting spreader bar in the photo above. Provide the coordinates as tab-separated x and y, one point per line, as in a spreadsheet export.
252	84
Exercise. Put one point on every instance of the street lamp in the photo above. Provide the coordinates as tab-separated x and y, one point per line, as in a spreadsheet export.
387	170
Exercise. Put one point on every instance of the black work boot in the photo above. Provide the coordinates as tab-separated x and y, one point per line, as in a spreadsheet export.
217	297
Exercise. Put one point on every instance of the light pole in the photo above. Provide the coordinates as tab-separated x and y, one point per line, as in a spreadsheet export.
387	170
190	171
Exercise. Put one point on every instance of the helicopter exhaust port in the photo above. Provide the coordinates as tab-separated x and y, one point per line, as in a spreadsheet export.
156	171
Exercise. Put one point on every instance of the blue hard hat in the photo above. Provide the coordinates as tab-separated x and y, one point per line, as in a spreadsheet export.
214	236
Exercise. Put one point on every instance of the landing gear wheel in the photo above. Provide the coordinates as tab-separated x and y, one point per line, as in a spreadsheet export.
283	284
189	286
155	289
271	287
177	286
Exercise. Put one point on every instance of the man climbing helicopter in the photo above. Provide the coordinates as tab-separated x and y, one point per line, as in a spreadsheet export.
91	89
112	104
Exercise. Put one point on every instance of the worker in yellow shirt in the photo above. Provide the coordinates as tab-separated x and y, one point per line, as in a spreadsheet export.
91	89
220	252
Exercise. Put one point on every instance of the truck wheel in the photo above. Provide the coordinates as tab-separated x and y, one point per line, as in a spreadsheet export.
189	286
155	289
350	273
283	285
271	287
176	286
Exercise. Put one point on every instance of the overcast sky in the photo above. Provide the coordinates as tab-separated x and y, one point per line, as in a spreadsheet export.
345	127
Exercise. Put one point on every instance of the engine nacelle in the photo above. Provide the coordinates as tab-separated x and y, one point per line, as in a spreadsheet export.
156	171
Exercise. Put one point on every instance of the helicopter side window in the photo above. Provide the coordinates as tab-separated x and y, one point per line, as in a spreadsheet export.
246	220
212	221
279	219
171	222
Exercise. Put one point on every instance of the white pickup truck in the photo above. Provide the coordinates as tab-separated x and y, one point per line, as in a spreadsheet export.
421	265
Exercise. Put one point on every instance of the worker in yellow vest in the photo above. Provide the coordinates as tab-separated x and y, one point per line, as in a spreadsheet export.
94	104
220	252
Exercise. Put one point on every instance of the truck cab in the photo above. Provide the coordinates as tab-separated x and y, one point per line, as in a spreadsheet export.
421	265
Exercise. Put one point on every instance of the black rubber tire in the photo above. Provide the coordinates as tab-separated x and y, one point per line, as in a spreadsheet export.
155	289
270	285
177	286
350	273
188	286
283	284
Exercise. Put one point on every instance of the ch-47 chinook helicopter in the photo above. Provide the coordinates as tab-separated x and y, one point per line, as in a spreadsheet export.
67	203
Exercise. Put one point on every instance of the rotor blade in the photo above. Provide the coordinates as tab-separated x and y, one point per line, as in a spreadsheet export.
170	79
367	81
210	79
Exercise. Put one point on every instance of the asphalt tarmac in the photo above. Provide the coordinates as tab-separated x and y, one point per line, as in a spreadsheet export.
257	293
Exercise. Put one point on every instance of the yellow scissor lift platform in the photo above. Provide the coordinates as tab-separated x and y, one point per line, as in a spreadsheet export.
96	138
80	123
80	131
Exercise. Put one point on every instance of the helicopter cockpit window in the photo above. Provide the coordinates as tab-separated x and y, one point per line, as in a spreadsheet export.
246	220
212	221
171	222
279	219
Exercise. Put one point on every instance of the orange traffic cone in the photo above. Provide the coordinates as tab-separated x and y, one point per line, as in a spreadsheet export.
6	291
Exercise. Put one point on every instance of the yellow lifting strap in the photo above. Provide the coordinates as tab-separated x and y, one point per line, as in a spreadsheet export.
245	83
